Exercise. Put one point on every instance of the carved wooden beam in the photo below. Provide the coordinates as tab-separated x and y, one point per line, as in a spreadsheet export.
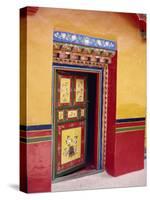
67	54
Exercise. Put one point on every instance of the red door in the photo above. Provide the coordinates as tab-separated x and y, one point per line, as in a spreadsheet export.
70	122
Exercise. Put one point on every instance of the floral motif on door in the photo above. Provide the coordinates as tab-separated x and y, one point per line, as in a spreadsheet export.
70	144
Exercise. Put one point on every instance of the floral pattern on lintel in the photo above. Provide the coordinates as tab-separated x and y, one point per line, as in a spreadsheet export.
79	39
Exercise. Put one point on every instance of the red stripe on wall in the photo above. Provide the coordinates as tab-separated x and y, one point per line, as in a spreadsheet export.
129	152
35	133
23	167
126	124
35	164
39	167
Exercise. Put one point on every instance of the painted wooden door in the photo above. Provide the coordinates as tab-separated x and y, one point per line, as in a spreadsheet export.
70	122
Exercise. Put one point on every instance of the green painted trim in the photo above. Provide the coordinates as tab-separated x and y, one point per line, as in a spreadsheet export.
68	171
134	128
35	140
33	137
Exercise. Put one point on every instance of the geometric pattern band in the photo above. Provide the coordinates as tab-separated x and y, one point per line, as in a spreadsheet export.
130	125
35	133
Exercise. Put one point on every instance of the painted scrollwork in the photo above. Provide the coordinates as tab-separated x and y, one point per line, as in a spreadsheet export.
71	144
65	84
79	90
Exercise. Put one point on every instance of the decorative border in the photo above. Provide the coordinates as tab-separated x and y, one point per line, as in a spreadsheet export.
130	125
101	118
78	39
81	55
35	127
35	134
75	67
100	122
131	119
105	105
37	139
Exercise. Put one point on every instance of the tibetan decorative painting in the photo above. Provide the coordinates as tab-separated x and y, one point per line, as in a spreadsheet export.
65	90
82	100
70	109
79	90
71	144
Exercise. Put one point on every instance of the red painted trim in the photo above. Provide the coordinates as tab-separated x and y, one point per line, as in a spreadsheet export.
39	167
23	167
96	152
111	116
125	151
35	164
129	152
32	10
35	133
126	124
141	23
28	11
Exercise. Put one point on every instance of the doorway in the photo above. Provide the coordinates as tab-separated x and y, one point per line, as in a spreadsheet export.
76	116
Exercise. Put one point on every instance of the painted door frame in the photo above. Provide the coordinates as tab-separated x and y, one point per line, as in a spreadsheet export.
100	72
109	68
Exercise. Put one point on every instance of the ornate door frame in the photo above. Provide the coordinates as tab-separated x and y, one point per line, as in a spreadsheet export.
76	52
99	136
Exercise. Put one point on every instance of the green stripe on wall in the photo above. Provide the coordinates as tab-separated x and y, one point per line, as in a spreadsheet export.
35	140
134	128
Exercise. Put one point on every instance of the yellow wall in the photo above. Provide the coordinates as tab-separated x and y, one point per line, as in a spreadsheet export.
39	73
131	72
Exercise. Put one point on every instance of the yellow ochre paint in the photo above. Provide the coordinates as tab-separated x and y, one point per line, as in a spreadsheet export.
71	138
131	63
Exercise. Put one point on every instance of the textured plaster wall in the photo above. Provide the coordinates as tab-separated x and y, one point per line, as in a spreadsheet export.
131	72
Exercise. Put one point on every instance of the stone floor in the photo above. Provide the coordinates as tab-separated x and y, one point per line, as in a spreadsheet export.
102	180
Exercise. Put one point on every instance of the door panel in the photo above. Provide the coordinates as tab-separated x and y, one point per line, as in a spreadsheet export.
80	90
70	122
71	146
64	90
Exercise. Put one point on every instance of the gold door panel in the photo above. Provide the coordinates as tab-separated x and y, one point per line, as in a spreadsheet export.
65	84
71	144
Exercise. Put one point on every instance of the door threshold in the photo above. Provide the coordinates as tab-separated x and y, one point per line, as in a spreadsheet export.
87	171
